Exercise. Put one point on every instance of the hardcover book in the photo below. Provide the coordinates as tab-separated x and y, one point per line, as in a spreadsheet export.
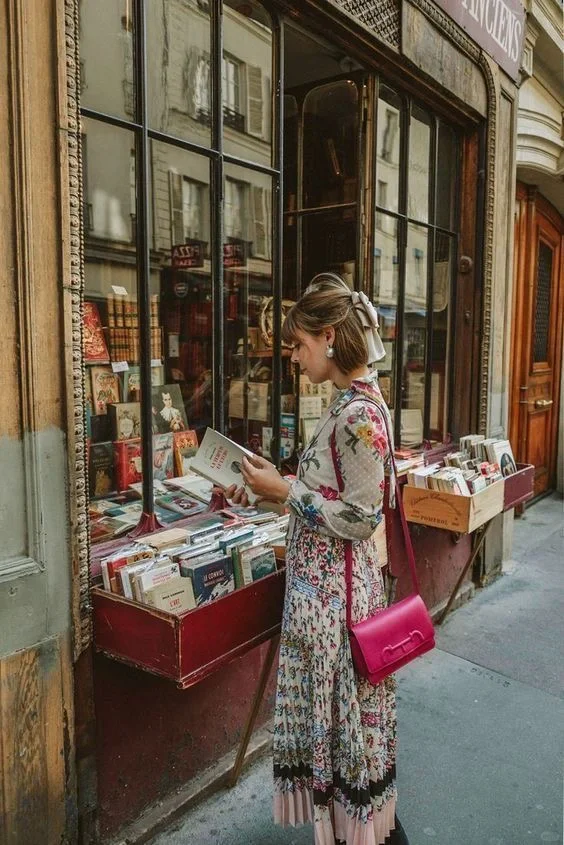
105	388
210	579
125	420
219	460
185	447
163	460
128	463
95	348
169	414
101	475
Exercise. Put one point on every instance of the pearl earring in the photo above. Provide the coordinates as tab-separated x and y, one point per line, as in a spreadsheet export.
329	352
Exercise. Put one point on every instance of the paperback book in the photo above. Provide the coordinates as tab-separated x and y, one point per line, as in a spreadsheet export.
219	460
210	579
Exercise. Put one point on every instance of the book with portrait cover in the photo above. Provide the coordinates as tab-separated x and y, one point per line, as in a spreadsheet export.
95	348
163	461
169	414
219	460
105	388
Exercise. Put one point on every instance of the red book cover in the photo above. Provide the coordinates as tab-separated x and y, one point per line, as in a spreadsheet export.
95	348
185	447
127	458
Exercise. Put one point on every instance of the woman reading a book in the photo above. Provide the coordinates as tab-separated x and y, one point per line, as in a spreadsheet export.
334	733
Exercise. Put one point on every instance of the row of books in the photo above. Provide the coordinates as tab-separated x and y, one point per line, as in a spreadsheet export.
119	341
478	463
210	556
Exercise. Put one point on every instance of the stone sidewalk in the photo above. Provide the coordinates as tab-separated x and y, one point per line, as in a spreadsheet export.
481	721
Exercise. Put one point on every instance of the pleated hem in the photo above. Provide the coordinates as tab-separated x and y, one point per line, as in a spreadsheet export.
296	808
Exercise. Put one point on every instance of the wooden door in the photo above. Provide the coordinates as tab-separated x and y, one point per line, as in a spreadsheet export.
537	335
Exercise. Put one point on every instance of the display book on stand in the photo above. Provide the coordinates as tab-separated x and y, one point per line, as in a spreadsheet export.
113	420
211	554
463	488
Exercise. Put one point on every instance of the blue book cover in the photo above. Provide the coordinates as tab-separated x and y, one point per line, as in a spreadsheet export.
210	579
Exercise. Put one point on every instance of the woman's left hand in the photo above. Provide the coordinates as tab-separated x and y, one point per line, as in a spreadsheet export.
264	479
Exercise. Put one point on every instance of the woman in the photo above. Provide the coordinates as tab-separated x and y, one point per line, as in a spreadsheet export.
334	733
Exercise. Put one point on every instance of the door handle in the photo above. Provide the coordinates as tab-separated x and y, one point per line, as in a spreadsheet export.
543	403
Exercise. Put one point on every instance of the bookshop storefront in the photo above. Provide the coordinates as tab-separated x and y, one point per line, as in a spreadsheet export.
229	152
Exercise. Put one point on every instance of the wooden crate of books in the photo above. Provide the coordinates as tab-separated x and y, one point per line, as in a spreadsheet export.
519	486
186	648
453	512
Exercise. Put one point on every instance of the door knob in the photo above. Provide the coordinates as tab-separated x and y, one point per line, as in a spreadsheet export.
543	403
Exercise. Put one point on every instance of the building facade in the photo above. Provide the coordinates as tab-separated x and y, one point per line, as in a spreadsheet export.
176	173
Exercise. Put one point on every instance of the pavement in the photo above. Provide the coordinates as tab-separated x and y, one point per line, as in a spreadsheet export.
481	720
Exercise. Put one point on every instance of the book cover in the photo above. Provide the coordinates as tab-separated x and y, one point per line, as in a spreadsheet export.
174	596
193	484
166	539
185	447
105	388
261	560
169	414
203	527
131	384
95	348
211	579
125	420
150	578
114	562
255	393
179	503
101	475
219	460
163	459
128	466
501	453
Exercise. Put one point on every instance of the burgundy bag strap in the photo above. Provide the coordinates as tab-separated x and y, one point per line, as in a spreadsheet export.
399	501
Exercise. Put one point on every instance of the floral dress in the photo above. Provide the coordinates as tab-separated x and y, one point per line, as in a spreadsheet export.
335	733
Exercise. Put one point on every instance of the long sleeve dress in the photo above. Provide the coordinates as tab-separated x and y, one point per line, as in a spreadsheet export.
335	733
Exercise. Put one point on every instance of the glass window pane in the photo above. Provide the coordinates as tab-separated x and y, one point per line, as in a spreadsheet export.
179	84
330	144
247	82
414	336
384	294
247	264
111	330
290	153
419	165
388	148
447	156
181	284
106	54
445	256
329	242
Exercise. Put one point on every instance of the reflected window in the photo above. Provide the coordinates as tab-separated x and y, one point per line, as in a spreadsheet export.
235	208
186	208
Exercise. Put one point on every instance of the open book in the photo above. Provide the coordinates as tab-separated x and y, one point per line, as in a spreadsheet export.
219	460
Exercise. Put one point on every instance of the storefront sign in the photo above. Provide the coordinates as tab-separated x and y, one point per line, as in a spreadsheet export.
498	26
235	253
187	255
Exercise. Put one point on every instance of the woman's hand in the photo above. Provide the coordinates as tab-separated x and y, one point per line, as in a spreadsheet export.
236	495
264	479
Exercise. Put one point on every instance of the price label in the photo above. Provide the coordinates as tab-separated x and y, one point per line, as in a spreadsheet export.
120	366
119	290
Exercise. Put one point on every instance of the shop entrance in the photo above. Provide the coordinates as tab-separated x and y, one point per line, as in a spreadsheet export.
537	339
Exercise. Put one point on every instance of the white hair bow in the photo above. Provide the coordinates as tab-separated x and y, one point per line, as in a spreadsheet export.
369	319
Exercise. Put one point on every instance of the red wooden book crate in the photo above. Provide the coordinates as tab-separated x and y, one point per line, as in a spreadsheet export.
519	486
188	647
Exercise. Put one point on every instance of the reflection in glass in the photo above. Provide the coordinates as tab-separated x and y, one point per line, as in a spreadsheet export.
246	77
419	165
384	294
445	247
181	281
106	52
247	264
179	80
112	382
290	153
414	336
329	243
330	144
447	157
388	149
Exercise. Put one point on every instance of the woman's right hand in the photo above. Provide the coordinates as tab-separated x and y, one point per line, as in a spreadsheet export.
236	495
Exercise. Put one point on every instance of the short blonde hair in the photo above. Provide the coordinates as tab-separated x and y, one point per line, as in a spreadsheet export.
327	302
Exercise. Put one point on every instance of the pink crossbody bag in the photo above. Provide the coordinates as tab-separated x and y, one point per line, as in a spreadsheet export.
399	633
